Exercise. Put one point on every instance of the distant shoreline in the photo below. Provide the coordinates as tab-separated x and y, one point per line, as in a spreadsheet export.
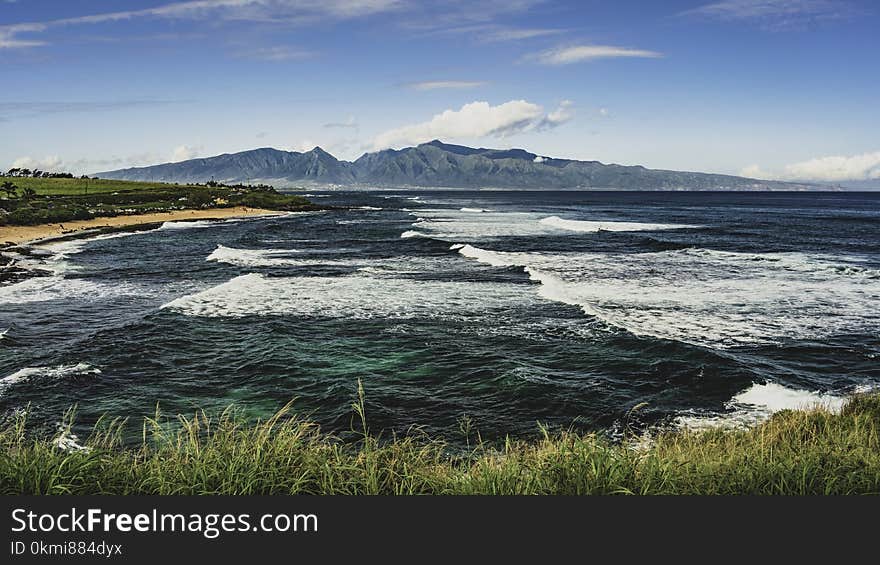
20	235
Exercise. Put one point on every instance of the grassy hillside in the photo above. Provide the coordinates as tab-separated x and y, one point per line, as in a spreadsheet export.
794	453
79	187
47	200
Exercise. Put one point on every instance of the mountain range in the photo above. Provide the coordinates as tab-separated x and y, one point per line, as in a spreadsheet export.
436	164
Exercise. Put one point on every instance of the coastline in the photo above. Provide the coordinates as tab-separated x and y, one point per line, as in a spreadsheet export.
19	235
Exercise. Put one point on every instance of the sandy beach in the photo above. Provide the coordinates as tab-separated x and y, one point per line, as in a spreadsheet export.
16	235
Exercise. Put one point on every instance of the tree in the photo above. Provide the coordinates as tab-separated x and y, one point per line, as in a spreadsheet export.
28	193
9	188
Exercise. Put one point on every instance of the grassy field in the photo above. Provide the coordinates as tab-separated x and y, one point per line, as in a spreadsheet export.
61	200
80	187
794	453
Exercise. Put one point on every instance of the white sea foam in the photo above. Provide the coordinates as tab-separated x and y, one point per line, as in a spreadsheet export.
273	258
201	224
772	397
716	299
412	233
597	226
455	225
56	260
252	257
43	289
760	401
846	265
69	441
354	222
60	252
58	372
361	296
476	224
491	257
193	224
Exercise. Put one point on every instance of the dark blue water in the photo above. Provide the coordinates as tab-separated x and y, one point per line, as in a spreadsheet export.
508	308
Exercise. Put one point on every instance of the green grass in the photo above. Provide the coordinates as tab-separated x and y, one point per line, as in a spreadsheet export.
80	187
62	200
793	453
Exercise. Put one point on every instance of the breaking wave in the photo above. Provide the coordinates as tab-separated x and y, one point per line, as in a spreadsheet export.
195	224
702	297
758	403
595	227
474	224
359	296
58	372
44	289
252	257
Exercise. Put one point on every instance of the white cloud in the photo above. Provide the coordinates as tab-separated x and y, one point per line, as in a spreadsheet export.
9	41
475	120
835	168
90	166
519	34
483	32
185	153
276	11
581	53
21	109
559	116
444	84
776	14
449	15
755	172
539	159
464	16
52	163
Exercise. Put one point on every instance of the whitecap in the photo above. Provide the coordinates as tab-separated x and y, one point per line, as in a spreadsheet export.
251	257
476	224
270	258
760	401
59	252
412	233
714	299
192	224
57	372
43	289
599	226
357	296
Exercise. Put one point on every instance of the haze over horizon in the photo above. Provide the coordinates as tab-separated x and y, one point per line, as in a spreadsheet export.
775	89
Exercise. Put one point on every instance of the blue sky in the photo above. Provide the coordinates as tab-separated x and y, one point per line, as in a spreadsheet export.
771	88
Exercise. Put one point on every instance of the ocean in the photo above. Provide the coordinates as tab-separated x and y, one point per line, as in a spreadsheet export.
492	310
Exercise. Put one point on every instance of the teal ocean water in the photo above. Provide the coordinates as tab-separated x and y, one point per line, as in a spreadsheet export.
507	308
